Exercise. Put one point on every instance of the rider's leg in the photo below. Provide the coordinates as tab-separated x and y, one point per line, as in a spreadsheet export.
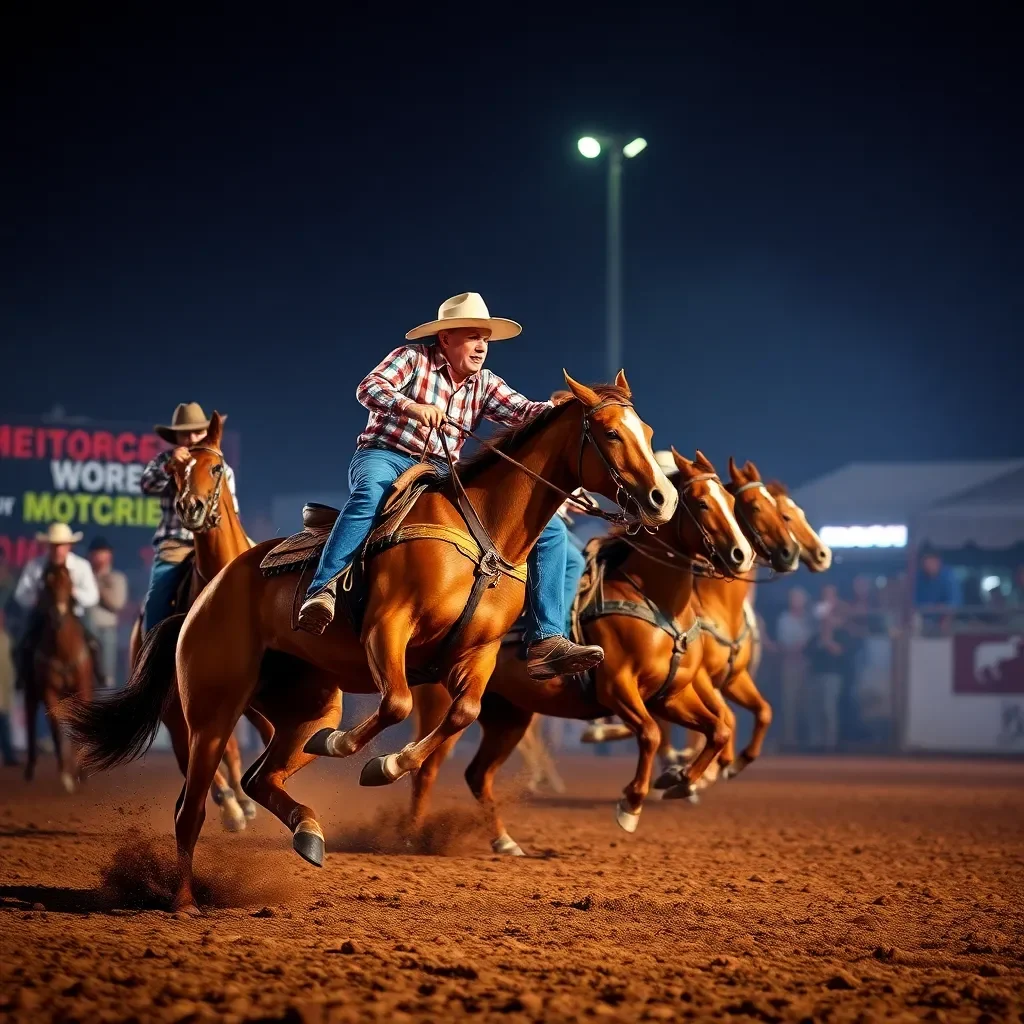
370	473
575	563
164	578
550	651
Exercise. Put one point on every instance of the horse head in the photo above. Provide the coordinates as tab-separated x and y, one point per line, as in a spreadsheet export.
57	589
619	460
760	518
814	552
706	522
200	481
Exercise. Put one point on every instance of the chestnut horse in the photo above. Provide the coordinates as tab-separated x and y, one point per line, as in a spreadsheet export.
61	667
729	645
652	645
416	592
208	511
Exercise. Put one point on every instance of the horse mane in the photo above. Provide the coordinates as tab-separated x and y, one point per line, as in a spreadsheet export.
511	439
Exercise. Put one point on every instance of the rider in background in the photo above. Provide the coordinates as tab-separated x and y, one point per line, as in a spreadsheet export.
416	391
60	539
172	541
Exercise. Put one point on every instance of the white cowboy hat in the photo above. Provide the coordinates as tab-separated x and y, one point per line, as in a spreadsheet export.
667	463
466	310
188	416
59	533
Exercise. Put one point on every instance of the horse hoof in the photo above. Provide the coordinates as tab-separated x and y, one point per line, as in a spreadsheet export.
627	820
669	777
381	771
681	791
188	909
507	845
248	808
67	781
309	845
317	743
231	815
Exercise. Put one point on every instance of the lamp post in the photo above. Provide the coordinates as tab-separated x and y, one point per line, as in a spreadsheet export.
591	146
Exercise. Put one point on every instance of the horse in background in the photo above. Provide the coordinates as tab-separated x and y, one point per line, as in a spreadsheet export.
61	667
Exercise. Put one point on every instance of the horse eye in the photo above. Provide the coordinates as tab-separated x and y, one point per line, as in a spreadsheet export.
703	506
217	470
756	507
786	518
612	435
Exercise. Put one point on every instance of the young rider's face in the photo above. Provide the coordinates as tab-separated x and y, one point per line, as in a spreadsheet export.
465	348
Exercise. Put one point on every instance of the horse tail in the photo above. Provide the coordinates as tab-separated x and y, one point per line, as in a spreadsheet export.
115	729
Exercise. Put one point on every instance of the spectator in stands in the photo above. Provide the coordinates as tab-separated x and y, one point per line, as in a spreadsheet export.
831	654
6	694
7	581
793	633
103	616
938	590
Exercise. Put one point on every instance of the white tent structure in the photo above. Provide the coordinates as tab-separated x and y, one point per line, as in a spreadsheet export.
990	516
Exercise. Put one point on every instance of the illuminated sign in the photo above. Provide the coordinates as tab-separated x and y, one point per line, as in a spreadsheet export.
864	536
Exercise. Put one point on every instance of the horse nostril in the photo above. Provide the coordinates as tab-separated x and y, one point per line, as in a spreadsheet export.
657	498
821	555
737	556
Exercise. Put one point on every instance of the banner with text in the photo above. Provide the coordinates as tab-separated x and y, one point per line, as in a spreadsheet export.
85	475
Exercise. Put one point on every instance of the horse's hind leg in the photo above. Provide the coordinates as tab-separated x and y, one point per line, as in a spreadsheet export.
742	689
231	815
503	726
31	714
430	702
298	712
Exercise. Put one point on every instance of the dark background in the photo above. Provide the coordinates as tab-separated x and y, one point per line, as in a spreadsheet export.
823	240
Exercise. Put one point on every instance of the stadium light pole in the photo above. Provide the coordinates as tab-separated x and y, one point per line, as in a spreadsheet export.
590	146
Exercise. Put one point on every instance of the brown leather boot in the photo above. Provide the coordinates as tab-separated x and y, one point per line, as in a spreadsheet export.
317	612
557	656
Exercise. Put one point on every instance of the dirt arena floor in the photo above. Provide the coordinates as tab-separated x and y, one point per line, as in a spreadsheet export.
806	890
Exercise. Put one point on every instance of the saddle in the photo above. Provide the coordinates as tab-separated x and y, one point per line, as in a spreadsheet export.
301	552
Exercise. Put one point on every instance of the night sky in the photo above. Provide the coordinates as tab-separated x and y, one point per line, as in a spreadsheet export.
823	241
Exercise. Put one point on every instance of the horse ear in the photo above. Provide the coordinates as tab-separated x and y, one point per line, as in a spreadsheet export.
215	431
588	396
734	473
701	461
683	464
752	471
622	384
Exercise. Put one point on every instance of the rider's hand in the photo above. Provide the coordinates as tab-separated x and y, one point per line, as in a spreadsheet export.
181	456
430	415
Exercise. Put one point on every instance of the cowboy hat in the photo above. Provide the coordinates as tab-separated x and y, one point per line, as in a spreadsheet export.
59	533
188	416
667	463
466	310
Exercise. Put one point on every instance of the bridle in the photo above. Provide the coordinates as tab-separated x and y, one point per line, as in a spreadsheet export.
211	508
585	504
761	546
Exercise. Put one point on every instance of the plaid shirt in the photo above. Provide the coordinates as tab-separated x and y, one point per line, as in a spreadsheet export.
157	480
418	374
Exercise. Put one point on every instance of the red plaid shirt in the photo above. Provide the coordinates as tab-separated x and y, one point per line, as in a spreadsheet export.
419	375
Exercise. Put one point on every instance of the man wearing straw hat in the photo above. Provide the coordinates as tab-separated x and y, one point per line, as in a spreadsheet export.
60	539
172	541
439	383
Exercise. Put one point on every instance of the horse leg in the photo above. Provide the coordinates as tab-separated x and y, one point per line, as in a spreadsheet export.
298	713
430	701
466	682
266	732
231	815
50	702
713	700
620	694
503	726
539	759
684	707
233	766
742	689
31	713
385	645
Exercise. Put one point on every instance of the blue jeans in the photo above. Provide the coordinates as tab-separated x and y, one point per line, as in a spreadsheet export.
164	580
554	571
